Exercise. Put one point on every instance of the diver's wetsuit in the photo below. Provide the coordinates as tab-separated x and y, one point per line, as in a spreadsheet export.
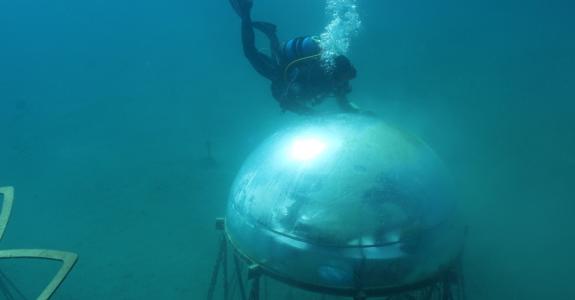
266	66
293	85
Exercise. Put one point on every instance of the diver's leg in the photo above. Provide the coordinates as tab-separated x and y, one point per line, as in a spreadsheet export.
270	30
263	64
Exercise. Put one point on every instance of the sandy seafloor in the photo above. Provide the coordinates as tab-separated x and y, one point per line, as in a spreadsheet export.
106	108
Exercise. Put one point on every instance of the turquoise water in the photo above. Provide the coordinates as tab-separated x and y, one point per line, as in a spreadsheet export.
106	108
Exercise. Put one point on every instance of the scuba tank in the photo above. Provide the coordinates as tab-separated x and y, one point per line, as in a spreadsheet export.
299	50
300	47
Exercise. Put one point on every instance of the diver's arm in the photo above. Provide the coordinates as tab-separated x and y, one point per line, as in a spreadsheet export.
340	94
346	105
296	107
350	107
286	95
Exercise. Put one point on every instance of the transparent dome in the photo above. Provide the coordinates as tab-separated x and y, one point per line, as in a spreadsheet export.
345	201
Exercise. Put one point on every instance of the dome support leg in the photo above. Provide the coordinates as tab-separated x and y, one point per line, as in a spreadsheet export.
360	296
221	262
6	286
254	274
239	276
447	285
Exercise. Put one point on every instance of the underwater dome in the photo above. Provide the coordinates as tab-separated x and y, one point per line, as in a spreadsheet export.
345	202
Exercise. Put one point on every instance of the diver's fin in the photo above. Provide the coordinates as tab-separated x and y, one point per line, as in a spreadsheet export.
242	7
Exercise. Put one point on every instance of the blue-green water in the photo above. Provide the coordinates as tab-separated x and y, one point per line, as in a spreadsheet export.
106	108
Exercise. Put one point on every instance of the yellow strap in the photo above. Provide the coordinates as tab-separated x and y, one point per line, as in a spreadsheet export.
297	61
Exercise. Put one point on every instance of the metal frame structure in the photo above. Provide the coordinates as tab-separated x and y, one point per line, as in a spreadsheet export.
445	285
7	287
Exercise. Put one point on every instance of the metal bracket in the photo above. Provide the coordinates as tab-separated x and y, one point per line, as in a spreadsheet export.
220	224
68	259
8	199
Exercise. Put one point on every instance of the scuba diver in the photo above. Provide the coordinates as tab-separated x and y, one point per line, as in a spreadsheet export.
298	78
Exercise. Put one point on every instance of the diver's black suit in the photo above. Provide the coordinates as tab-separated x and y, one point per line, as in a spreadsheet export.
295	84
